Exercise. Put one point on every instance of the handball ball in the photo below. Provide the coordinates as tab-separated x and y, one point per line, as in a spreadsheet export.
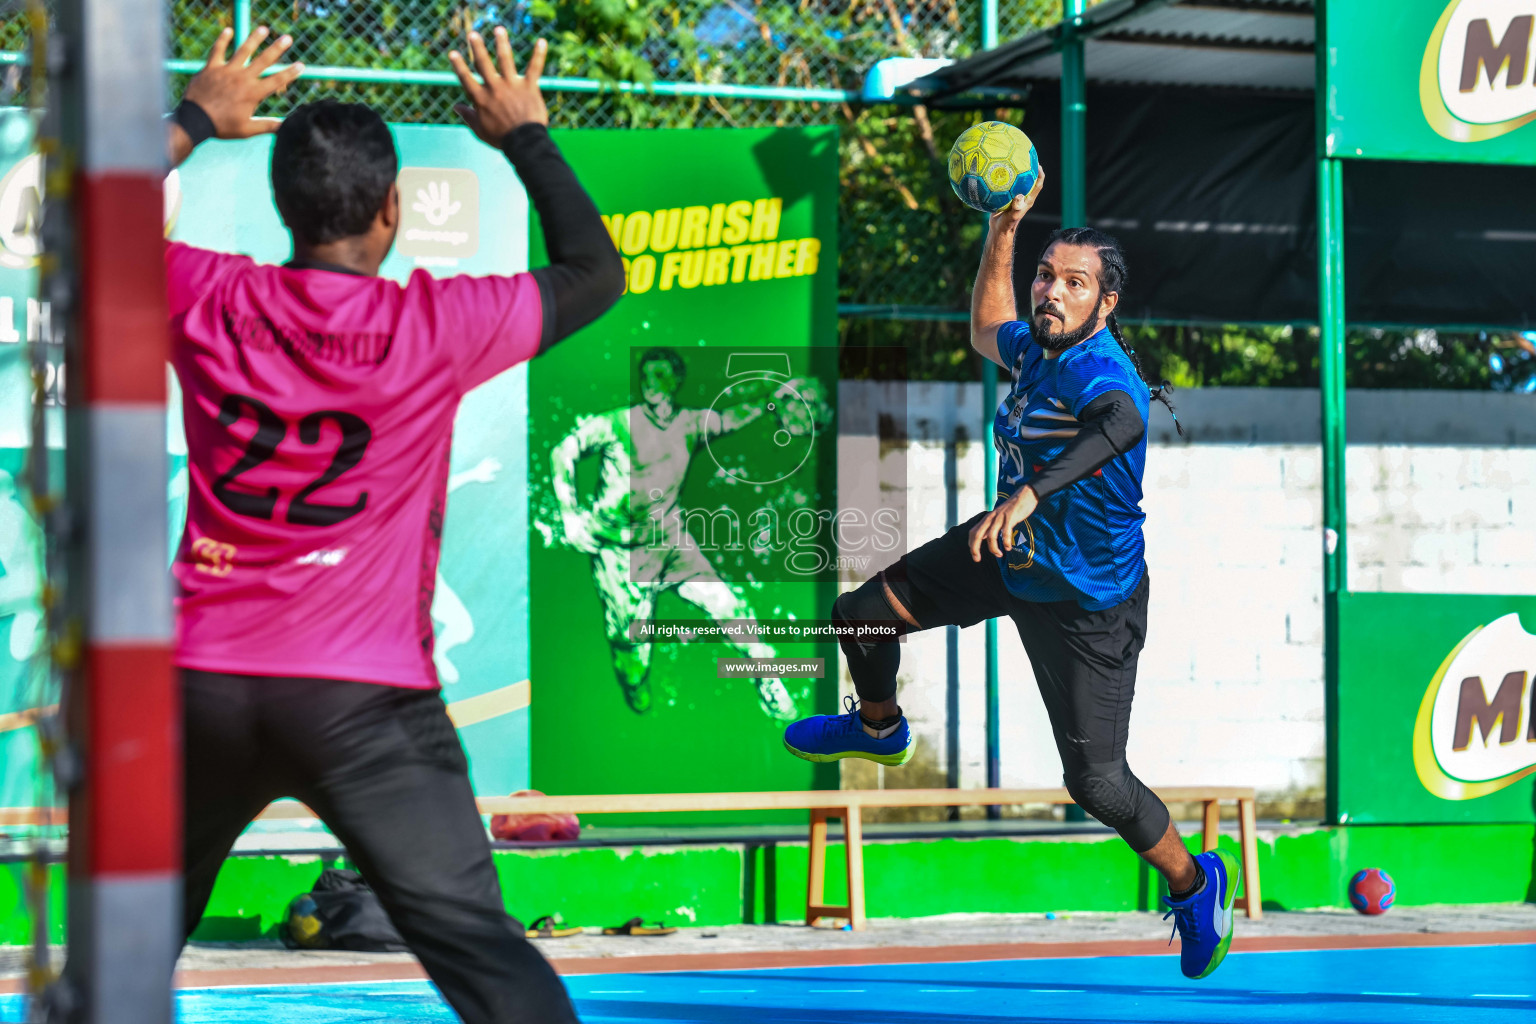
1372	891
301	928
990	163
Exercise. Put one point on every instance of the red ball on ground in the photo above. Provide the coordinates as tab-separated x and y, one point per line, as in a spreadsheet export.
1372	891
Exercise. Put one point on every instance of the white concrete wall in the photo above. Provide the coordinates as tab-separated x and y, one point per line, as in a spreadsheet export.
1230	688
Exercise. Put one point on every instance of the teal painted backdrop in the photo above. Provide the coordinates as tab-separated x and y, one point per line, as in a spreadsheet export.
481	607
23	683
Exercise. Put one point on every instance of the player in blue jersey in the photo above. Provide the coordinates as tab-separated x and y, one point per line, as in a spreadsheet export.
1061	554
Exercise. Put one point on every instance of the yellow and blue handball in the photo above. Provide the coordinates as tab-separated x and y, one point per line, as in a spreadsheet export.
303	925
991	163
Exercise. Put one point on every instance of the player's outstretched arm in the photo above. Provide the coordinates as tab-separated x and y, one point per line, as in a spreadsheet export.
992	300
754	398
506	110
221	100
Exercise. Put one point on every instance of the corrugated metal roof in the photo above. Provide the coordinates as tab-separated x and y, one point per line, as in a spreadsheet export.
1204	20
1256	44
1129	62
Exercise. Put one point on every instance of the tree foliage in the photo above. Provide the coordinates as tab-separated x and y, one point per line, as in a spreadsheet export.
1282	356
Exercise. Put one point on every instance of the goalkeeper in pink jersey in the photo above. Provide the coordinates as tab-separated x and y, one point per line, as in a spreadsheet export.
319	401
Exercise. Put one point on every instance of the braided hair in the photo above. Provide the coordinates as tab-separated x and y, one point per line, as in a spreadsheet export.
1112	278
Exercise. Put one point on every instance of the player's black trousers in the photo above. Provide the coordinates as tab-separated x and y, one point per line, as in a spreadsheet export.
383	768
1085	665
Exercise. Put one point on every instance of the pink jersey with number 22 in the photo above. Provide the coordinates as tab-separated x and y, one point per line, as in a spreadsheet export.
319	411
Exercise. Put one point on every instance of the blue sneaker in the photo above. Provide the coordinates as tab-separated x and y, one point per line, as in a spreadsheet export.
1204	921
834	737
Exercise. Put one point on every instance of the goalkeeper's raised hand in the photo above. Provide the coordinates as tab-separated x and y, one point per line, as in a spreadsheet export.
221	99
500	99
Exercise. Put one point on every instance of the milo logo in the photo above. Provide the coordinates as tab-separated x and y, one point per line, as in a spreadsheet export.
1476	728
1475	82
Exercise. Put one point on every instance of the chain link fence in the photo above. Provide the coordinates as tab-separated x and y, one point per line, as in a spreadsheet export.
1016	18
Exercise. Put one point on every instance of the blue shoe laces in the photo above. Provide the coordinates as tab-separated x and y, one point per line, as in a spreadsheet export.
1185	921
847	722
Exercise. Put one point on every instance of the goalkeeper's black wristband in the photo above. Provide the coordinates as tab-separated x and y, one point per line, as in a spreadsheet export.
585	275
194	120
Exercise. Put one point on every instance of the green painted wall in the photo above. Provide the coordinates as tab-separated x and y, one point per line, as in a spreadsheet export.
15	921
719	885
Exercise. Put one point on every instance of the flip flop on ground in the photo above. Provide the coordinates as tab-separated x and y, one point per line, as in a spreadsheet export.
636	926
547	927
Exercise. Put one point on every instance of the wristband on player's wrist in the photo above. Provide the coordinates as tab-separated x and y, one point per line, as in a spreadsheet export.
194	120
517	138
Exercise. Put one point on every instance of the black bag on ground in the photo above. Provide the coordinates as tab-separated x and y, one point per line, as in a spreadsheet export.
341	913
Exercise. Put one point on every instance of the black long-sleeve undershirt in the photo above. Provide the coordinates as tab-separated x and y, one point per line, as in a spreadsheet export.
1112	425
585	276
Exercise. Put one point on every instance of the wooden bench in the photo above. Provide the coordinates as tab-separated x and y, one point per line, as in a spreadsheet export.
848	805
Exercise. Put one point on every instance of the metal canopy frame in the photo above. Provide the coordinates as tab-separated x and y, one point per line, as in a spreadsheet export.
1254	44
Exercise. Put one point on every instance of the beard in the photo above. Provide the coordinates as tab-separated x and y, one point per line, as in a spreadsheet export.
1056	340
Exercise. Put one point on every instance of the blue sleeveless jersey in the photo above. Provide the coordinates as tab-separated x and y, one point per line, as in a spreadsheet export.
1084	542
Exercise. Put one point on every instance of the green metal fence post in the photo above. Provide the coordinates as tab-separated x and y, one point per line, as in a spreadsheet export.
1331	364
1074	118
1330	229
1074	158
989	481
242	20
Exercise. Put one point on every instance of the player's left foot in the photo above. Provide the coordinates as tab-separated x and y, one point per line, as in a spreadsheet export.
834	737
1204	921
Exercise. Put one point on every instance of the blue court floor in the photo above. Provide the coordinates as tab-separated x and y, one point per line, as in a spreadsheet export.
1390	986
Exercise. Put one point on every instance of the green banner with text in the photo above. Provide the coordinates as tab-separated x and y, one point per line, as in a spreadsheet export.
682	472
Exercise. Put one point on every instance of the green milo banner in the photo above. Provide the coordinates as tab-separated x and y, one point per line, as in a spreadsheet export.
1451	80
1436	709
682	470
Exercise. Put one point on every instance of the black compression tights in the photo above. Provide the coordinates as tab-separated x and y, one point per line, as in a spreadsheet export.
872	664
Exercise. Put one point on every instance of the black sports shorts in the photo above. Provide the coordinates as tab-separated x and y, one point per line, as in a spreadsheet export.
1084	662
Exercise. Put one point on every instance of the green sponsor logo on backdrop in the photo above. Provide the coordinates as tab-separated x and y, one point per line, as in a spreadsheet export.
1474	82
1431	80
1466	743
1436	709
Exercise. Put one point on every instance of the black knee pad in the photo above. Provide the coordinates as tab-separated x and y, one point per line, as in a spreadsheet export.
867	604
1113	795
